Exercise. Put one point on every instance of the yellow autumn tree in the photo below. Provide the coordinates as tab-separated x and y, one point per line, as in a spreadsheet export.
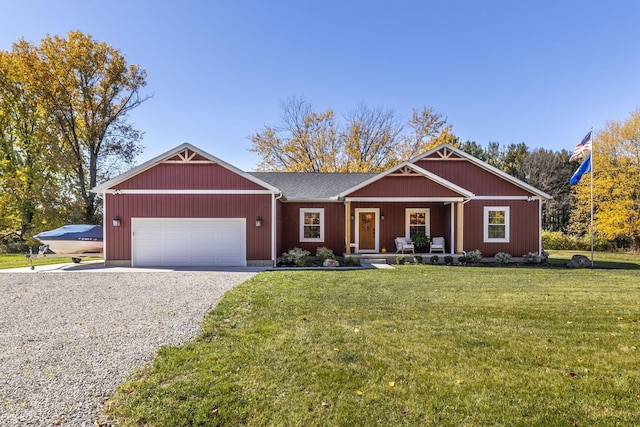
88	89
369	139
616	184
28	172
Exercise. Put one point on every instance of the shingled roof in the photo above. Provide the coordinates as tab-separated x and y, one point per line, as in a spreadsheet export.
312	186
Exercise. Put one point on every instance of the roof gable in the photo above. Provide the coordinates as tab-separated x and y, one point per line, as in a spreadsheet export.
182	155
408	169
493	179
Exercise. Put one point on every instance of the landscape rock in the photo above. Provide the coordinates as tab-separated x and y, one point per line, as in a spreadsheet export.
330	263
579	261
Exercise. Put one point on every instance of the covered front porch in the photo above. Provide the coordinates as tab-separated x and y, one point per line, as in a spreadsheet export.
372	226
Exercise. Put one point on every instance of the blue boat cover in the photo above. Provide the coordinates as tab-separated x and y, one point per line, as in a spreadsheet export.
73	232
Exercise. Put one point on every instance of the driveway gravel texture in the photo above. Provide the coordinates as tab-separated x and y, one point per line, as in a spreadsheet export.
68	339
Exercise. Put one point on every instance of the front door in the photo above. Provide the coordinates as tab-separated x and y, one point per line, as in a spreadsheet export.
367	228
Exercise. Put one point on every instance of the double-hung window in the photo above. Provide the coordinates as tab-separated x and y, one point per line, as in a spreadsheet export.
312	225
496	224
417	221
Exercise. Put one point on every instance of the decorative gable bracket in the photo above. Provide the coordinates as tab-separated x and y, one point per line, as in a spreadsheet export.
187	156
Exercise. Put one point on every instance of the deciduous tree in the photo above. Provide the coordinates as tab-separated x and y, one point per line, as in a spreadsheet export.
369	139
616	183
87	89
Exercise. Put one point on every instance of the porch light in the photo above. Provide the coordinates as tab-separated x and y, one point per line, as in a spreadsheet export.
353	217
258	222
382	217
116	221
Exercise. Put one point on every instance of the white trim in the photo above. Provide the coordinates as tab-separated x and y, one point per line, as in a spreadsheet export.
540	248
302	224
404	199
453	227
180	191
485	224
407	217
376	212
273	230
524	198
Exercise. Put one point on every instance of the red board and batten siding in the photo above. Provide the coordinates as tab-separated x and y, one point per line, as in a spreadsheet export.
333	232
404	186
473	178
248	206
524	232
188	176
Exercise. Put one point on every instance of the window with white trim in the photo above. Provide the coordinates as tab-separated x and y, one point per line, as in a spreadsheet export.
312	224
417	221
496	224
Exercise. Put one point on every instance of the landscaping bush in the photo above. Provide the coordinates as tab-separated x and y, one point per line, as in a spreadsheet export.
448	260
400	260
295	256
323	253
503	258
568	242
532	258
435	259
417	259
474	256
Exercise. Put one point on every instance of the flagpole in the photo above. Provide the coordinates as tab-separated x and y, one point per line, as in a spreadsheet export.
591	175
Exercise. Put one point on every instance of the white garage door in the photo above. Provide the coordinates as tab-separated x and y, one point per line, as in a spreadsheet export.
188	242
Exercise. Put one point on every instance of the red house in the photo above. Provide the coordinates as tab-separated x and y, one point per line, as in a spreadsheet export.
189	208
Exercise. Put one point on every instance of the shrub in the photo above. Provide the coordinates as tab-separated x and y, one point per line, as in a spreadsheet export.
295	256
561	241
435	259
448	260
474	256
400	260
503	258
323	253
532	258
417	259
420	240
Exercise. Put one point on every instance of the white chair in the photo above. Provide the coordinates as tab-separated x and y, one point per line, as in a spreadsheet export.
437	244
404	244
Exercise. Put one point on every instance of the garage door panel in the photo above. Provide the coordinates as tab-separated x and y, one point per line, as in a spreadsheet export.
189	242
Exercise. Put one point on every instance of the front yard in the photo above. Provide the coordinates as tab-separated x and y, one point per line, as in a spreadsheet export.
416	345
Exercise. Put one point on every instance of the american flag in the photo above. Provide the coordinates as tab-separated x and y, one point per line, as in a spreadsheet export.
581	148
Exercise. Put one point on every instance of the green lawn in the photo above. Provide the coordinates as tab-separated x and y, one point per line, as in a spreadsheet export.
19	260
417	345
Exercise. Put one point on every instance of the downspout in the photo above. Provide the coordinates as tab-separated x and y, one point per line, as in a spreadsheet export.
464	202
104	227
276	197
540	248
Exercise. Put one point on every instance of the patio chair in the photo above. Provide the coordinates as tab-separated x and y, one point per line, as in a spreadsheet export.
404	244
437	244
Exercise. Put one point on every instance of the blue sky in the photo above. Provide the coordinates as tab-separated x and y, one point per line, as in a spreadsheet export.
540	72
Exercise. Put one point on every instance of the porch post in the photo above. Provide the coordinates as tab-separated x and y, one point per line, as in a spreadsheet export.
459	226
347	227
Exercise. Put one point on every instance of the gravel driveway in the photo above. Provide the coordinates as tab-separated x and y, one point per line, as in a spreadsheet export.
67	339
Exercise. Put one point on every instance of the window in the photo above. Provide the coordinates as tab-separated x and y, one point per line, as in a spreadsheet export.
496	224
417	221
312	225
